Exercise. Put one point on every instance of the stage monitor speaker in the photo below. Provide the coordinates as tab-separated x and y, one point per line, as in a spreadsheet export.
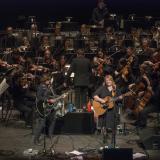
118	153
153	154
150	139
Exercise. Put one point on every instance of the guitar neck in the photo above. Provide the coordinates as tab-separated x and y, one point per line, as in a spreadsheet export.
123	95
58	98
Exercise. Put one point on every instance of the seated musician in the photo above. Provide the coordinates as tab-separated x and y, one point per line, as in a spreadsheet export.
44	45
9	41
123	75
24	45
150	99
49	61
107	120
44	91
21	94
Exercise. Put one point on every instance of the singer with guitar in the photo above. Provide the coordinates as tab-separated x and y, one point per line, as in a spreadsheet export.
106	119
44	92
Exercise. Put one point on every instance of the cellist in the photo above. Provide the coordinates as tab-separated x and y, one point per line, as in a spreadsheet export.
149	100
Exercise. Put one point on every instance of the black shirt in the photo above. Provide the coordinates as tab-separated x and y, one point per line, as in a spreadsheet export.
99	14
102	92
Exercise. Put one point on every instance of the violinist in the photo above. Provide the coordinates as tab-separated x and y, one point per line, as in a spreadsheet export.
44	44
49	60
147	51
99	62
125	68
132	61
25	45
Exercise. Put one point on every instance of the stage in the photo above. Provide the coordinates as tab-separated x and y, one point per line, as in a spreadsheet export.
15	139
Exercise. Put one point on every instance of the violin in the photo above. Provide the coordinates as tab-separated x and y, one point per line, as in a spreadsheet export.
156	66
100	66
28	76
156	61
125	70
23	48
4	64
38	68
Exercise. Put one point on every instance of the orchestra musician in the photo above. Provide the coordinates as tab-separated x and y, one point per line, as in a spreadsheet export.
24	45
9	41
49	61
146	97
100	13
23	100
44	44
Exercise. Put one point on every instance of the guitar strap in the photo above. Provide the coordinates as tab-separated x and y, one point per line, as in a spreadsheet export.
113	93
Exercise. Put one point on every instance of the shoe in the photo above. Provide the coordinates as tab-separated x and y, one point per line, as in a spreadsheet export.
37	142
97	132
136	123
139	124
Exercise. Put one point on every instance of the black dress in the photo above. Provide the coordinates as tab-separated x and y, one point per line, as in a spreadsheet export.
108	119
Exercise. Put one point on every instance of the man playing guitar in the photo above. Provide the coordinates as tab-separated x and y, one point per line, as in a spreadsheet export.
44	92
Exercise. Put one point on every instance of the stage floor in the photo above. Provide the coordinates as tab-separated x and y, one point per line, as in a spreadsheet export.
18	139
15	139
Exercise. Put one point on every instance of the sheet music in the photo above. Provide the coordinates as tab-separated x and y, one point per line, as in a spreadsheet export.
3	86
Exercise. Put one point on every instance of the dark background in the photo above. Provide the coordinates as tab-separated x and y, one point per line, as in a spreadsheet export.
81	10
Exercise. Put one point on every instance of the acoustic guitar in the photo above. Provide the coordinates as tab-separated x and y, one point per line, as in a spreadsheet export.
100	108
45	108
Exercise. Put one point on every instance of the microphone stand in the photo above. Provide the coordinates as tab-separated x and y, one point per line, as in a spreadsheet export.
44	138
113	141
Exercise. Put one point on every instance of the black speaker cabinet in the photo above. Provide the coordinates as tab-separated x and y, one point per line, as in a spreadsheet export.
118	153
76	123
150	139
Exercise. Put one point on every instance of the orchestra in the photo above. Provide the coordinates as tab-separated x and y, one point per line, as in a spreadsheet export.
130	61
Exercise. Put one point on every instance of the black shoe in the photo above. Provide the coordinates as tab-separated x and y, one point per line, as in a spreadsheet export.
97	132
37	142
136	123
139	124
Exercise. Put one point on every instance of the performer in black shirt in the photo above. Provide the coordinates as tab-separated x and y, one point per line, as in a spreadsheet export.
100	13
107	121
81	67
44	94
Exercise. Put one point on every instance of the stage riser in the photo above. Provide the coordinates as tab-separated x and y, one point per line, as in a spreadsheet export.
75	123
